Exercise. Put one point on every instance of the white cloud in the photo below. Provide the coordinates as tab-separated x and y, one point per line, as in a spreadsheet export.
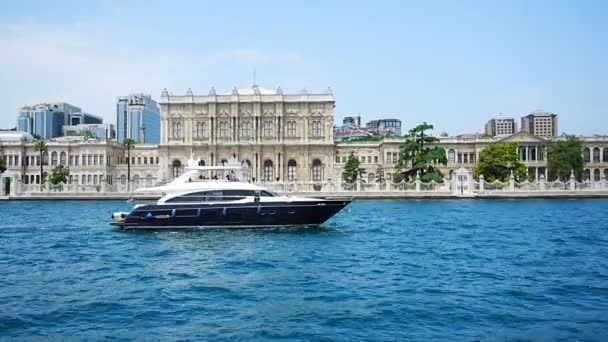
89	65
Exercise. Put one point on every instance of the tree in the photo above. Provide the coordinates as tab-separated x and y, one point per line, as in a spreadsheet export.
88	134
418	156
352	169
129	144
563	157
59	174
41	147
496	162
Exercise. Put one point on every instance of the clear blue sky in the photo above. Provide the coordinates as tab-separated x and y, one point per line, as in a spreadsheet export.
451	63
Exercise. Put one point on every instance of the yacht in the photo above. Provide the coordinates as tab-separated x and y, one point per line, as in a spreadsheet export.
214	196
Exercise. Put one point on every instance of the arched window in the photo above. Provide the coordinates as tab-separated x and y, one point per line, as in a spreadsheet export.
316	128
223	129
95	179
369	159
586	174
596	175
605	154
176	168
291	128
596	155
344	159
177	130
136	180
316	170
586	155
268	128
375	159
606	174
201	162
451	155
89	179
149	180
83	180
246	129
63	158
292	170
268	170
451	173
54	158
45	158
371	177
123	179
247	170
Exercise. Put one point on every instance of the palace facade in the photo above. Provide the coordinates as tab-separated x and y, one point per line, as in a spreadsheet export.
282	137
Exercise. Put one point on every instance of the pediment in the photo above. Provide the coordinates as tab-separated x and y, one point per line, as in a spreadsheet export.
201	114
224	114
268	113
316	114
523	137
292	112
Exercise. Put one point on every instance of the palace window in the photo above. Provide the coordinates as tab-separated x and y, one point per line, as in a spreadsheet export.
316	128
291	170
375	159
176	168
337	159
316	170
223	129
268	128
268	170
451	155
62	158
395	157
586	155
200	130
176	131
596	155
54	158
246	129
291	128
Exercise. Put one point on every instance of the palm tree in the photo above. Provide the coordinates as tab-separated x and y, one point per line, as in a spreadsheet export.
129	144
41	147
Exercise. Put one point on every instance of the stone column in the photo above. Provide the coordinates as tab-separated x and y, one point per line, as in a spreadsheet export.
572	181
511	182
541	183
418	181
481	183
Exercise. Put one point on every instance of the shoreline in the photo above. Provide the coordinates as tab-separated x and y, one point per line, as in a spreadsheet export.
355	196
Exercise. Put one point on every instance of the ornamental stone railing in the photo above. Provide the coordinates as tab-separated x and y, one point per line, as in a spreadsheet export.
457	186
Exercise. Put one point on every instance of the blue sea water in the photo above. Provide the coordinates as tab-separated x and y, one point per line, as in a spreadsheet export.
386	270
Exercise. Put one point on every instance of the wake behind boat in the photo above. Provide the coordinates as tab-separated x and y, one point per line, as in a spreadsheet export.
213	196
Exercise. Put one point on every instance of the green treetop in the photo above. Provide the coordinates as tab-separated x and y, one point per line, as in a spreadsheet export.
419	154
496	162
564	157
352	169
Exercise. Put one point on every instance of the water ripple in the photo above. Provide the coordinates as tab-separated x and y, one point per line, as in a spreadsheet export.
384	270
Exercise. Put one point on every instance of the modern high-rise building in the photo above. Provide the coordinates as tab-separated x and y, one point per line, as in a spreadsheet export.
539	123
138	118
351	121
385	127
46	120
500	126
